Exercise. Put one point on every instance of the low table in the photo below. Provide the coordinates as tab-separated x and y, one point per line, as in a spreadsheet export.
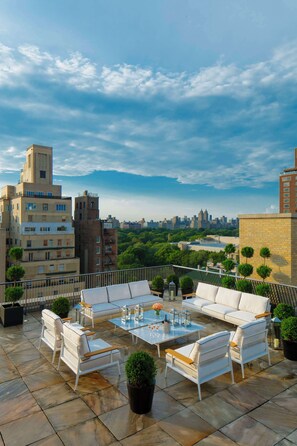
154	334
150	329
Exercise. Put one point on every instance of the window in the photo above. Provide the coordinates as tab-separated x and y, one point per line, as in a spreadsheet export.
68	242
59	242
47	255
29	229
29	243
286	195
97	249
30	256
44	206
286	179
61	267
61	228
67	253
42	174
52	268
98	261
30	206
286	205
63	218
45	243
45	229
286	200
286	189
40	269
51	243
49	194
59	254
30	218
98	239
60	207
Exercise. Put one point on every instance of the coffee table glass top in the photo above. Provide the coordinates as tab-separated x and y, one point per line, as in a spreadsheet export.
154	334
149	317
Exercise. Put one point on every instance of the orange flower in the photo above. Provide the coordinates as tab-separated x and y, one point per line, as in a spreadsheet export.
157	306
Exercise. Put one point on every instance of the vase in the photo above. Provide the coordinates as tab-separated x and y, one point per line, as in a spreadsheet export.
157	313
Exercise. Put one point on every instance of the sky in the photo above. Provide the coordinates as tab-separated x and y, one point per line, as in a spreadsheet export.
161	107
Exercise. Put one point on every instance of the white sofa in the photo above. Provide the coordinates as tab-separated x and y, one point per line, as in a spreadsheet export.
106	301
228	305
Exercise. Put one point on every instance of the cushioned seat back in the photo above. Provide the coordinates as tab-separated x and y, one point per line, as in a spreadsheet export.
253	303
140	288
251	333
118	292
206	291
72	339
52	323
211	348
94	295
228	297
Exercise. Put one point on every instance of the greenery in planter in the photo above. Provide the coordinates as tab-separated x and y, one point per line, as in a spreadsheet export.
265	253
245	269
61	306
158	284
141	369
283	311
14	274
244	286
247	252
228	282
263	289
264	271
186	284
173	278
289	329
229	249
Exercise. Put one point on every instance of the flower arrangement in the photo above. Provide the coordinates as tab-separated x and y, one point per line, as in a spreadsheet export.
157	307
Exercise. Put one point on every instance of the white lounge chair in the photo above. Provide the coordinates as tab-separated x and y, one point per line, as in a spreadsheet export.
83	356
52	327
249	342
203	360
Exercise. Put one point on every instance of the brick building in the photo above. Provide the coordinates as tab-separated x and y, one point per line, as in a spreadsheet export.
288	189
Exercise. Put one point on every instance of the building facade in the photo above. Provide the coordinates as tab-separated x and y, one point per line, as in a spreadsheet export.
288	189
278	232
38	219
95	239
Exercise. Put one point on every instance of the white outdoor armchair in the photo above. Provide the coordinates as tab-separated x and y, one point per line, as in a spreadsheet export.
203	360
83	356
249	342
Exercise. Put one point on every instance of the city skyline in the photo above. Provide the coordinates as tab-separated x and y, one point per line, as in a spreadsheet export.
161	108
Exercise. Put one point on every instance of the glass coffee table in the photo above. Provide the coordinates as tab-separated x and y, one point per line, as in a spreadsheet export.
150	329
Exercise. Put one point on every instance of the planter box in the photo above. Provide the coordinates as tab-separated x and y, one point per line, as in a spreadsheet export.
11	314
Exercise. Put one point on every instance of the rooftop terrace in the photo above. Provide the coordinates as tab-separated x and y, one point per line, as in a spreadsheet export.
38	405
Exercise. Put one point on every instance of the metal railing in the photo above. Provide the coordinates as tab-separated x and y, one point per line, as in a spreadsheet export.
278	292
40	293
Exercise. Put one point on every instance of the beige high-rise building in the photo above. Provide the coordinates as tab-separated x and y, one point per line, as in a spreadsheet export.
37	218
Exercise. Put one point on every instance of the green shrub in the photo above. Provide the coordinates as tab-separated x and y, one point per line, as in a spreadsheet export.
140	369
61	306
289	329
245	269
247	252
244	286
186	284
263	289
173	278
16	253
229	249
228	265
15	273
13	293
228	282
264	271
158	284
283	311
265	253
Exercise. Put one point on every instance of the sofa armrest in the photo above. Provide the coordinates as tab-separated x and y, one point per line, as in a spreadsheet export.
179	356
90	333
233	344
85	328
189	295
258	316
84	304
98	352
66	319
157	293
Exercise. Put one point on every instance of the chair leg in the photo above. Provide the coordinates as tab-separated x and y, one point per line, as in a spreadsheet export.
54	354
76	381
242	370
199	391
119	368
232	374
166	368
268	354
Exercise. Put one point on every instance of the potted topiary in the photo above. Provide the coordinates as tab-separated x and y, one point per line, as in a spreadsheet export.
283	311
141	371
11	313
158	285
228	265
61	307
289	336
187	285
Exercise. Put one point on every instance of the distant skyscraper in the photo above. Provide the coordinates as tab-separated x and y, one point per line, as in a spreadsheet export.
288	189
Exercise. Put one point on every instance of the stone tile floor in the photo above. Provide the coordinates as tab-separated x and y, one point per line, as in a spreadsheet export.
38	405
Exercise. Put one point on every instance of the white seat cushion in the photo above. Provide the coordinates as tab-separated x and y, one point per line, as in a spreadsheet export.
118	292
239	317
139	288
253	303
94	295
102	308
228	297
217	310
149	299
199	302
206	291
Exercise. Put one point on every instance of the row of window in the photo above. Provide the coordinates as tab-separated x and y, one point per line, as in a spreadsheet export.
45	229
50	243
61	267
32	207
47	255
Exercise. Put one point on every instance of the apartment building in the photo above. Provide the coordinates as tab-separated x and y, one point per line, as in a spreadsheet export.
288	189
37	218
95	240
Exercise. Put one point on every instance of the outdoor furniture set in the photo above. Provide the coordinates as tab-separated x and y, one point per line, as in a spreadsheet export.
199	362
105	301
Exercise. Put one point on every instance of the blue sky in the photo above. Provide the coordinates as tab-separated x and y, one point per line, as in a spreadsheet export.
162	107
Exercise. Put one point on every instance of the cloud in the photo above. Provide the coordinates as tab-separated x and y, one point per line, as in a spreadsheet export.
223	127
